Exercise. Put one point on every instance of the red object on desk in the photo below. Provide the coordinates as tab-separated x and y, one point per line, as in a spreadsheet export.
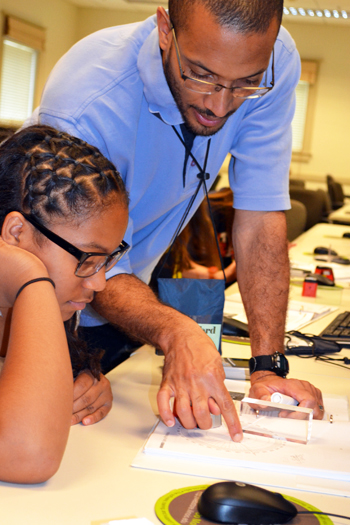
326	271
309	288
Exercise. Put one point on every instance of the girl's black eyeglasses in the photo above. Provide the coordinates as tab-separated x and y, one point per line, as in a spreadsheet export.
89	262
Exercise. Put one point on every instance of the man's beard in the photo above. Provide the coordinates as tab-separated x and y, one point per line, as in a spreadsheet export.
176	93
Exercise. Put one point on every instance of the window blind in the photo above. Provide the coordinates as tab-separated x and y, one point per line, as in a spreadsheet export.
298	124
17	82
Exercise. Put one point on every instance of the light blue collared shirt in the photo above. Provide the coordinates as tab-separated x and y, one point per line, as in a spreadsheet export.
106	90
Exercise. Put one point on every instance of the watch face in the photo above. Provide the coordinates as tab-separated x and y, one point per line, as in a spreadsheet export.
281	364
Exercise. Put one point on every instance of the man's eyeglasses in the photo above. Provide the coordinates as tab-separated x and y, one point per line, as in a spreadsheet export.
89	262
209	88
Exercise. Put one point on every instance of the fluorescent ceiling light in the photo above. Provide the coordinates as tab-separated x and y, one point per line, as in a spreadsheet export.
320	13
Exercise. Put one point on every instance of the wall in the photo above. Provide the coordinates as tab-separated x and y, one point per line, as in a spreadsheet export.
330	146
91	20
60	20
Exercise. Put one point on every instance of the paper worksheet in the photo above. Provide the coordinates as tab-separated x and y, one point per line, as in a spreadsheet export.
299	313
323	465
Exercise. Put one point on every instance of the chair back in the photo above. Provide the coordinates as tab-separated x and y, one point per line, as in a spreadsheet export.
296	220
336	194
315	203
297	182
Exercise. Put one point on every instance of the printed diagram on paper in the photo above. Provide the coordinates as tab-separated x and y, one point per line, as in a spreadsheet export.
214	446
206	440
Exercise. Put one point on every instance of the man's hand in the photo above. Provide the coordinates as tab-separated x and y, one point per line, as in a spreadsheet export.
307	395
92	399
193	375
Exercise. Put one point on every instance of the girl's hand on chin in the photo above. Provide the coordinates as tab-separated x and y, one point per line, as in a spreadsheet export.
17	267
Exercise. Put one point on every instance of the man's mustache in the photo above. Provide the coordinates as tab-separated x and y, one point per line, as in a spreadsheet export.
208	113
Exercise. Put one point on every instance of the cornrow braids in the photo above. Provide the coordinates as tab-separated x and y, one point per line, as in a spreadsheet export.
50	174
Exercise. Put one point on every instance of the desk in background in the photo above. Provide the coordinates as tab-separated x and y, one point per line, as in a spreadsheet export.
95	480
329	236
342	215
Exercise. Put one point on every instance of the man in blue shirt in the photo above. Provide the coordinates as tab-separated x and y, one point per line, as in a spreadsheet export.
222	70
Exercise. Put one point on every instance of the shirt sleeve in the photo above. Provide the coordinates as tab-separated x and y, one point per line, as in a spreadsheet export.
261	153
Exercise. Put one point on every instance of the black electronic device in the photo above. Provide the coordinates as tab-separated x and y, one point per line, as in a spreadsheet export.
320	279
340	260
235	328
322	250
333	259
338	330
346	235
236	502
296	343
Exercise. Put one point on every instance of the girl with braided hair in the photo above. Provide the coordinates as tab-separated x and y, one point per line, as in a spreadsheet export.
63	214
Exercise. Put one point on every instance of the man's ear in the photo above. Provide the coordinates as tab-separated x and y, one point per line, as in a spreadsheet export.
14	229
164	31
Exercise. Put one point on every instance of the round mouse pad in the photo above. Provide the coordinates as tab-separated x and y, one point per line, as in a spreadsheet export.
179	507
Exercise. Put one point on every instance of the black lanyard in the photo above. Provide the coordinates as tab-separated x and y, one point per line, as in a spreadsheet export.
203	176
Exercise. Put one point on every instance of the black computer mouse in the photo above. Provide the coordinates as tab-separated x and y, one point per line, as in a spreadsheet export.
322	250
346	235
236	502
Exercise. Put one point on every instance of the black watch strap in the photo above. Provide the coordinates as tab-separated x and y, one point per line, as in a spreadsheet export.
277	363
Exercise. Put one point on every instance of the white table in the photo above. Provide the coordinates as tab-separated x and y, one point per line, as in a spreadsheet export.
95	480
342	215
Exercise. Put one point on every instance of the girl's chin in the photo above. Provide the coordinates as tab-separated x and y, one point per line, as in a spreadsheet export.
70	308
67	314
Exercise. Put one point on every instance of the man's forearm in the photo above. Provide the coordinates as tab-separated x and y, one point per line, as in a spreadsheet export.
131	305
261	251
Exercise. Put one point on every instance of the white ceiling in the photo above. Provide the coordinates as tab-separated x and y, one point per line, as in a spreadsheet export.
151	4
307	4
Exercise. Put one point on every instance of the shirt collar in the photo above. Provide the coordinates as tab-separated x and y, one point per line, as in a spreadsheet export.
156	89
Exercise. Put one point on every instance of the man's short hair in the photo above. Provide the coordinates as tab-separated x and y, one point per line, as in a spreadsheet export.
243	16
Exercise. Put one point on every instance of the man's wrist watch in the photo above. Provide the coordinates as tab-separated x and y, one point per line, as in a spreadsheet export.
277	363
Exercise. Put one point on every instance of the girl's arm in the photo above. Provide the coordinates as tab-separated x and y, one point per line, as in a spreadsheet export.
36	386
198	271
